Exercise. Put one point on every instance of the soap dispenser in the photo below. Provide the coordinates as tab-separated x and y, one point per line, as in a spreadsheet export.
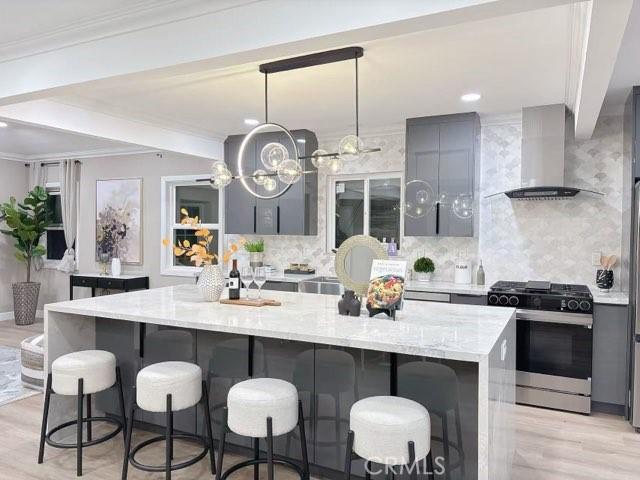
480	274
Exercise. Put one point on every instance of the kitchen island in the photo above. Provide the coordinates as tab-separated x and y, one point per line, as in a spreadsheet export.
458	360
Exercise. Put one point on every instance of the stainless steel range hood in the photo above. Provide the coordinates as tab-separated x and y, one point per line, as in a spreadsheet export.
546	131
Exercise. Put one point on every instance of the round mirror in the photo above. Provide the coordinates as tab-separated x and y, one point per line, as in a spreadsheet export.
354	259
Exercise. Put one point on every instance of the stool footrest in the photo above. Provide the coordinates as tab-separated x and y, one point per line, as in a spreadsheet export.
104	438
177	466
277	460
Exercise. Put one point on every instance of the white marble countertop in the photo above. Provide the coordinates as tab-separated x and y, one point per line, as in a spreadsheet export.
613	297
458	332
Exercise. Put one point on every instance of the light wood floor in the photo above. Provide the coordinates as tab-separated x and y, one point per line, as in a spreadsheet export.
549	445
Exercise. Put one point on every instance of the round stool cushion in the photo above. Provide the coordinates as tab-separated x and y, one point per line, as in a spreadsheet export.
32	362
180	379
383	427
432	384
97	369
251	402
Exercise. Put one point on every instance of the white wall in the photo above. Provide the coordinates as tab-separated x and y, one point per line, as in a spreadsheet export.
13	182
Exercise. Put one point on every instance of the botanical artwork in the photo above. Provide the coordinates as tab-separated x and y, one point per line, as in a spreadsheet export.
119	220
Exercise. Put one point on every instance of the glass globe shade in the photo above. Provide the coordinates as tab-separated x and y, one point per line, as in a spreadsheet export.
222	178
419	198
273	154
350	147
335	164
270	184
463	206
259	176
218	167
289	172
319	161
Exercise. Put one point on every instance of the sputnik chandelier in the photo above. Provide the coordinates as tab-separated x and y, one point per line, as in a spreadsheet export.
281	166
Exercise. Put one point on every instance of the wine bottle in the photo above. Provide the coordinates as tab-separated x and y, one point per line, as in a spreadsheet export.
234	282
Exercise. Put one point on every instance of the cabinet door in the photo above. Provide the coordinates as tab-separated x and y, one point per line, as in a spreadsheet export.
239	204
421	166
455	175
636	133
267	211
291	205
610	360
462	299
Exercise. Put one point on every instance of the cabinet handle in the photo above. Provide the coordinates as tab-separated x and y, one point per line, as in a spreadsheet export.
278	219
255	213
437	218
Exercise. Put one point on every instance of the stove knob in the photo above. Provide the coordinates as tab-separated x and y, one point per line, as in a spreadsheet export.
514	301
504	300
493	299
572	304
585	306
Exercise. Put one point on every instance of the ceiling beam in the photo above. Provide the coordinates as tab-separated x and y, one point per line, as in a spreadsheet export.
253	32
606	22
59	116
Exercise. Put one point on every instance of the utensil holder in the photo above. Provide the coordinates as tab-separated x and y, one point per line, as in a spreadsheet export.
604	279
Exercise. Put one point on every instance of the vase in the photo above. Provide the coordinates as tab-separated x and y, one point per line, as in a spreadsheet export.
255	259
211	283
425	277
116	267
25	302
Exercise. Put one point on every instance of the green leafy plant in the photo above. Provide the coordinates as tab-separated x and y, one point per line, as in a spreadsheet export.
27	222
424	265
254	247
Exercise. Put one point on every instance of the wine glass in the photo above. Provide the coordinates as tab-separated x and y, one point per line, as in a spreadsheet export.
260	277
246	275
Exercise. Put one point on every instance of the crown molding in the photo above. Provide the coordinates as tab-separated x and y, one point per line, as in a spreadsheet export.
78	154
514	118
336	135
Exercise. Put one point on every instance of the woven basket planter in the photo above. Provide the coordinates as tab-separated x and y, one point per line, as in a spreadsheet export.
25	302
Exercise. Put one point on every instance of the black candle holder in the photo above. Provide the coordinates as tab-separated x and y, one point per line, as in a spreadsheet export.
604	279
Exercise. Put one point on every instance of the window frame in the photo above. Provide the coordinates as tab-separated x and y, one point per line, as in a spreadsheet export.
332	180
52	188
168	224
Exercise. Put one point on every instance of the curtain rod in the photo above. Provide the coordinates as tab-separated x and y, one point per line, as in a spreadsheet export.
43	164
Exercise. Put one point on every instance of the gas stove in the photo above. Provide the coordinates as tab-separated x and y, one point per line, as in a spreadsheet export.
537	295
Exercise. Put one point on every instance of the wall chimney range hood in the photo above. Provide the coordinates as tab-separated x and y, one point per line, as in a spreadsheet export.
546	131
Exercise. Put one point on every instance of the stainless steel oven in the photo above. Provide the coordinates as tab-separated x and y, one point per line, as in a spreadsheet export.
553	359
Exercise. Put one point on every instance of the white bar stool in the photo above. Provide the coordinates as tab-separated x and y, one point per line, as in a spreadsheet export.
391	431
169	387
263	408
81	374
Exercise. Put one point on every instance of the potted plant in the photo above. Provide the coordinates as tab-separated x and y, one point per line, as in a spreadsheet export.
424	267
26	222
256	252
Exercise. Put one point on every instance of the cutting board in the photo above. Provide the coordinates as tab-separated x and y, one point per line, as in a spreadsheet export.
258	302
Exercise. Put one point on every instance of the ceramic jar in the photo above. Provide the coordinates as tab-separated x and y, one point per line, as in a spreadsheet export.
211	283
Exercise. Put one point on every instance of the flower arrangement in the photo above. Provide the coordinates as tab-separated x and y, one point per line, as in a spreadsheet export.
200	253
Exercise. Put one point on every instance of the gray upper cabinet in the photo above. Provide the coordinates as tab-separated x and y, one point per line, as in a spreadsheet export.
441	151
294	213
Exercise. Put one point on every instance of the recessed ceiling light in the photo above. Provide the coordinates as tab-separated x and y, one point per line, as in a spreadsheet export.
251	121
470	97
301	140
4	124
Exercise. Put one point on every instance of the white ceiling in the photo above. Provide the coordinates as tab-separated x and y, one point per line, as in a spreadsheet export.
30	142
514	61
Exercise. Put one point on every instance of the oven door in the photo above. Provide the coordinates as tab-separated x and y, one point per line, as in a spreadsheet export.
554	351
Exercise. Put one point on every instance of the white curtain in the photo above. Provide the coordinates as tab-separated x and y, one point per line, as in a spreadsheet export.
36	175
69	173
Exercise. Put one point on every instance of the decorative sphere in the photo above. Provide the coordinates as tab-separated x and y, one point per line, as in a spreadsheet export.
273	154
259	176
419	198
270	184
463	206
218	167
221	178
289	171
350	147
335	164
318	161
422	197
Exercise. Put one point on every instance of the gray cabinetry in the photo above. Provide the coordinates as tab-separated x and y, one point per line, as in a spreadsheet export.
609	381
465	299
632	130
294	213
441	151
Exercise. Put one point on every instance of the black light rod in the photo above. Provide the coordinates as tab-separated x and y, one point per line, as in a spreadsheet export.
320	58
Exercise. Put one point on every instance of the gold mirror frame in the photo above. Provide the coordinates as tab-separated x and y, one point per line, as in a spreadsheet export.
341	255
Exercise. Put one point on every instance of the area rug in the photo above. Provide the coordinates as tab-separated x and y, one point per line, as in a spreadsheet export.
11	388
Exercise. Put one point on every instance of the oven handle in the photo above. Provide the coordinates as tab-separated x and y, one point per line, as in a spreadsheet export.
583	319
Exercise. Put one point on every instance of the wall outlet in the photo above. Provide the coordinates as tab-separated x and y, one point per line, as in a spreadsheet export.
595	259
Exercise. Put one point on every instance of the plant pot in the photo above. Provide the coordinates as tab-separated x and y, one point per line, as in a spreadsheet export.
25	302
255	259
211	283
425	277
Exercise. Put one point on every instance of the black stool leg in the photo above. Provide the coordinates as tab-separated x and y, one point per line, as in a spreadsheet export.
347	459
459	435
207	419
169	441
256	456
303	441
270	470
430	473
223	433
413	474
127	441
121	402
89	430
79	429
45	418
445	445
